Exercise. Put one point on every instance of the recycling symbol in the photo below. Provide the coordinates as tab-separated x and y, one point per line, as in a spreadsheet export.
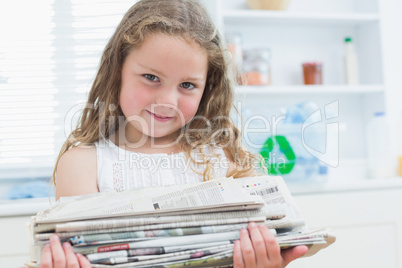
273	166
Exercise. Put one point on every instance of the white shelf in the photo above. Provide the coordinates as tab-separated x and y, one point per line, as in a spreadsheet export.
345	186
310	89
263	16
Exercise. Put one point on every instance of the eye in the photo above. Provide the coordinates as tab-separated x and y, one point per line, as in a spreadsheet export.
187	85
151	77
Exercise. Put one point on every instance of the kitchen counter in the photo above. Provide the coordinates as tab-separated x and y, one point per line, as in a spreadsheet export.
27	207
344	185
24	207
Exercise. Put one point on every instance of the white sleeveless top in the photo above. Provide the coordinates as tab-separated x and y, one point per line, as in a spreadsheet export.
120	170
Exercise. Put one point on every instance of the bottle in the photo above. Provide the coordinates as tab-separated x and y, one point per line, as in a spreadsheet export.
350	61
399	144
306	166
257	66
381	163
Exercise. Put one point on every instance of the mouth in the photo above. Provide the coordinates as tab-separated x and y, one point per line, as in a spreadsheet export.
158	117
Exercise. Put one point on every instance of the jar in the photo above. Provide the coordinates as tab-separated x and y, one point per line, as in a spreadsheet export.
257	66
312	72
268	4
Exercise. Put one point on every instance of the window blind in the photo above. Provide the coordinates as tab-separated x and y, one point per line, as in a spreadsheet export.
49	54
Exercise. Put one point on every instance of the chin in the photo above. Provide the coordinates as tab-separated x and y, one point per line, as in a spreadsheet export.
161	135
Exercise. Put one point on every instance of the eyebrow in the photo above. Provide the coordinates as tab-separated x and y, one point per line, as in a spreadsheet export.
162	74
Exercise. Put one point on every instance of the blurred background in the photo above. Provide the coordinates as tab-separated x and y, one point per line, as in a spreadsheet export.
319	97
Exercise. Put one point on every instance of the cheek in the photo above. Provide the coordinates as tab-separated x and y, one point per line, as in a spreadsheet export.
131	100
189	109
125	102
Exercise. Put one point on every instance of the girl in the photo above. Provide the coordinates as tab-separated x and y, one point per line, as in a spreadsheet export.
158	113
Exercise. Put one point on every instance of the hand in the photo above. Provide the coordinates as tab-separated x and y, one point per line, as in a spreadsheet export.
258	247
55	255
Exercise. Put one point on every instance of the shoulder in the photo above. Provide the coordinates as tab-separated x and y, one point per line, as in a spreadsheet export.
76	172
79	153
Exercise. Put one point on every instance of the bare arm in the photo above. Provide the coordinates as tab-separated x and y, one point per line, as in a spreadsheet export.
76	172
76	175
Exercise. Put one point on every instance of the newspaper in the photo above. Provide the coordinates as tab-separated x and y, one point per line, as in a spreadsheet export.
156	251
277	198
223	259
118	223
143	221
182	255
183	225
162	242
214	194
46	236
107	237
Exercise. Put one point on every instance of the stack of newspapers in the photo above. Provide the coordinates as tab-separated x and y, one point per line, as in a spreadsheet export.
175	226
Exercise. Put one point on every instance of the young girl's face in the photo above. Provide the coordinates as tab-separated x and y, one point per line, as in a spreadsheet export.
162	84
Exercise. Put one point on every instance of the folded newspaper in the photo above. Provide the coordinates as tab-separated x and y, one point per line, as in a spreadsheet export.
176	226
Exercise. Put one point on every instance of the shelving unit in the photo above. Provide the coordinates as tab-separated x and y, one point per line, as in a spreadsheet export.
310	89
315	31
263	16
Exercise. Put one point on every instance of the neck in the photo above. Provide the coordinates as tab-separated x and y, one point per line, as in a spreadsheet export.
145	144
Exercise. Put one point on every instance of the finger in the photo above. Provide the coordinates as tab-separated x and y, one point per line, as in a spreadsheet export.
46	259
237	257
59	260
84	262
71	259
291	254
261	253
272	246
247	249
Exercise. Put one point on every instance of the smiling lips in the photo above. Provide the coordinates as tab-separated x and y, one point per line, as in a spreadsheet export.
160	118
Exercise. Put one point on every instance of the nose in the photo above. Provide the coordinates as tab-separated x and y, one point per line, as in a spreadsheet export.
167	95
